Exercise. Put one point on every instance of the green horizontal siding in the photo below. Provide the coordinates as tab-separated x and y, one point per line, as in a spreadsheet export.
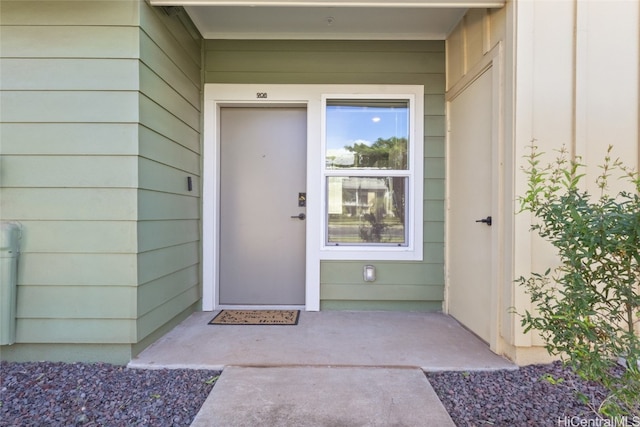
399	285
119	354
162	314
161	291
381	292
70	331
73	41
179	44
155	59
71	236
161	262
310	78
70	12
161	234
387	272
381	305
163	94
170	135
68	204
85	139
69	74
154	146
69	106
162	177
76	302
154	205
101	113
70	171
76	269
320	62
163	122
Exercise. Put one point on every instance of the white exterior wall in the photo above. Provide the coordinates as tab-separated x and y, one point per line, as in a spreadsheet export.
577	84
571	77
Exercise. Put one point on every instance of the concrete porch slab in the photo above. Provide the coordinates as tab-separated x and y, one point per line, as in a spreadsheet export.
316	396
430	341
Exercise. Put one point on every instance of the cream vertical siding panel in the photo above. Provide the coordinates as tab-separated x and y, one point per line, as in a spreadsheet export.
607	85
169	135
69	122
552	98
455	55
475	36
576	65
577	88
400	285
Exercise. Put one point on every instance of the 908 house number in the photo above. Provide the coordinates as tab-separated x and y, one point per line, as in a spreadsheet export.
261	95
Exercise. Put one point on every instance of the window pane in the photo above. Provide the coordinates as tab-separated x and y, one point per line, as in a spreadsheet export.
366	210
365	134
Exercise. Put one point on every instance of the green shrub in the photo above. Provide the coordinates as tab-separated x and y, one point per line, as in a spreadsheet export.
587	308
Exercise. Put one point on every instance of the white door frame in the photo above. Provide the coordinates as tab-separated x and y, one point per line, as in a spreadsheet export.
221	95
290	95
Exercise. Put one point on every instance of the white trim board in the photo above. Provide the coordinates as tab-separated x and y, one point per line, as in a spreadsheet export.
309	96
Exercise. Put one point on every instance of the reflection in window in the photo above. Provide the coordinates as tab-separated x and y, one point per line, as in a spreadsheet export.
366	210
367	134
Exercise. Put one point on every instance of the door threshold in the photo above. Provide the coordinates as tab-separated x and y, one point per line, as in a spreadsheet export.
259	307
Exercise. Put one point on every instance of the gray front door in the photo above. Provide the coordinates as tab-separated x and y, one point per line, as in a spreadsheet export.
262	175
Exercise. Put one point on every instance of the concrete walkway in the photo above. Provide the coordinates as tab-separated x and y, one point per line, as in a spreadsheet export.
335	368
315	396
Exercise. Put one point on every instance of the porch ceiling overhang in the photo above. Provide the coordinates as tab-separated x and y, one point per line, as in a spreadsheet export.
327	19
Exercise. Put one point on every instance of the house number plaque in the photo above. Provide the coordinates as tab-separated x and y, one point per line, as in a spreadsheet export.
261	95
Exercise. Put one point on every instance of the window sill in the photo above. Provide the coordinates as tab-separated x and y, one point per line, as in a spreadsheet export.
351	253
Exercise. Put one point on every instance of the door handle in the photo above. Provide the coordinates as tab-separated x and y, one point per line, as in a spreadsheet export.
300	216
486	220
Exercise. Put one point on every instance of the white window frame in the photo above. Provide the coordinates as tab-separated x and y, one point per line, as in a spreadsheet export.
412	249
311	96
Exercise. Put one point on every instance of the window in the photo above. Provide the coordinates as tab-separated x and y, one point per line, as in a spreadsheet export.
369	173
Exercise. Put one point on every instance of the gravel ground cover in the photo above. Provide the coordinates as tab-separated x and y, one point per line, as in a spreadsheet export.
57	394
524	397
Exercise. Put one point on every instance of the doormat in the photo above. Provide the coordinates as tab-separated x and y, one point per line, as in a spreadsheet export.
256	317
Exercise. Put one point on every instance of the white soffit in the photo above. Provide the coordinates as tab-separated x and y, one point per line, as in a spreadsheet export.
325	19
